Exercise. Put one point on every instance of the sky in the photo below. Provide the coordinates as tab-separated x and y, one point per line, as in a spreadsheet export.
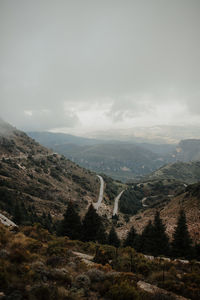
79	66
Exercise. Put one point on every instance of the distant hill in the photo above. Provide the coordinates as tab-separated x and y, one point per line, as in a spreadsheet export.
188	150
185	172
50	139
119	160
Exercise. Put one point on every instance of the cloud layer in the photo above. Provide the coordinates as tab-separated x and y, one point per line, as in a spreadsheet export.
80	64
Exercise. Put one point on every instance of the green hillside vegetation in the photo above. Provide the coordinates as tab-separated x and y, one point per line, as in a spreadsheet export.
35	264
184	172
64	249
34	181
130	201
119	160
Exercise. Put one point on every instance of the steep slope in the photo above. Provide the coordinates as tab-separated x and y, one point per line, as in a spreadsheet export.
189	200
38	179
185	172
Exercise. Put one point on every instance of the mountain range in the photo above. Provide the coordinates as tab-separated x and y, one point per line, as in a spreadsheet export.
122	160
44	182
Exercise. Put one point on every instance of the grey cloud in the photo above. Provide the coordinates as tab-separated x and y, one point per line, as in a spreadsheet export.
79	51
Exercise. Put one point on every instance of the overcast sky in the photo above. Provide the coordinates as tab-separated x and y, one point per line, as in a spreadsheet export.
82	65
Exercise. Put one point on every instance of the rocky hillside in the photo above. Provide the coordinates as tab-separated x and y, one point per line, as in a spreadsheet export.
38	179
185	172
189	200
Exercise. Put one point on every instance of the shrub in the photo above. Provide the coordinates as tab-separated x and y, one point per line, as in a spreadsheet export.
159	296
96	275
82	281
58	247
20	255
42	292
4	235
143	268
34	246
122	291
55	261
61	275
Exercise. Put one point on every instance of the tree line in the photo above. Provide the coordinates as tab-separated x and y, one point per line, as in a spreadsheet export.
152	241
91	228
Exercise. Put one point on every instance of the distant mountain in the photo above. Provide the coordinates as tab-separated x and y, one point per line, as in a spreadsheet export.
188	150
117	159
160	134
50	139
161	149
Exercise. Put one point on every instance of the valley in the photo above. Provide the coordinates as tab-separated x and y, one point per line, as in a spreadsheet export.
44	182
37	188
126	161
120	160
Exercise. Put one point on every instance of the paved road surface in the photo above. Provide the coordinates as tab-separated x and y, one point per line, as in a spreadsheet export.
115	210
97	205
143	200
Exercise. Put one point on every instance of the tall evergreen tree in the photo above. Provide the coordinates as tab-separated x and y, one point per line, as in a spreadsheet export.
71	224
113	238
146	239
131	239
93	229
160	239
101	234
181	243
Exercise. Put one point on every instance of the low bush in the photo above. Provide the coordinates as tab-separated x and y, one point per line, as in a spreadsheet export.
95	275
122	291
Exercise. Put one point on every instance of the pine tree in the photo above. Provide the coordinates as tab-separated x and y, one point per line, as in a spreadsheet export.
146	239
160	239
93	229
154	240
131	239
101	234
71	224
113	238
181	243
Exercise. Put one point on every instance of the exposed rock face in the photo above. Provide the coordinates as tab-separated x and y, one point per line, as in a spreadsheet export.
4	220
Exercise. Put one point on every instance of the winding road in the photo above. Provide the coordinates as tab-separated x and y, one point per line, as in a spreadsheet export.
115	210
98	203
143	200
